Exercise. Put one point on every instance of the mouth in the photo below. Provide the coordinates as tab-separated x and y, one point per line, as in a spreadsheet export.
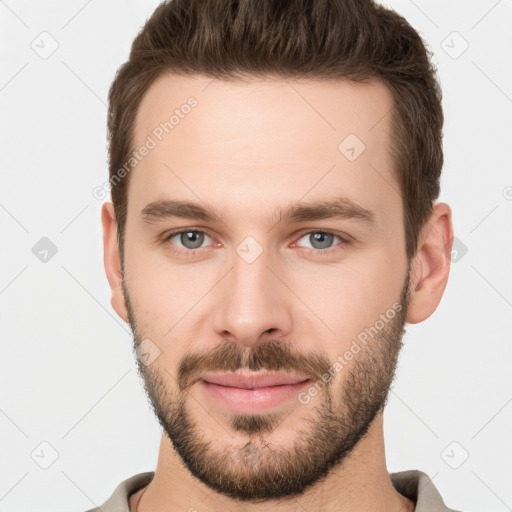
246	393
254	381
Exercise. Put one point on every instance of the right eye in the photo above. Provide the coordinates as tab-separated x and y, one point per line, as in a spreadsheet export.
189	239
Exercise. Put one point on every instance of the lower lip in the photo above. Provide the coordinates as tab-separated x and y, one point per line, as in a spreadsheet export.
253	400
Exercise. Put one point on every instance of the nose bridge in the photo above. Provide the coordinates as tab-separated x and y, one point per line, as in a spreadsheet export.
252	300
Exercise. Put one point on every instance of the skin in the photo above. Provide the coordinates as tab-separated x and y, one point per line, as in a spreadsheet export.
247	149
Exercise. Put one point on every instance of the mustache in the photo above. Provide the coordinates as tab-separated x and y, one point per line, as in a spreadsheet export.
273	355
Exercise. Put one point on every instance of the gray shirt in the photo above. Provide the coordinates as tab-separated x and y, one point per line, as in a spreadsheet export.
413	484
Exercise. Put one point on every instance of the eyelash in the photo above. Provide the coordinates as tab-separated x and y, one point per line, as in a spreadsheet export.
316	252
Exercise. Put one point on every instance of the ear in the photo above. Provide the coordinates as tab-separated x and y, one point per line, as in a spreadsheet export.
431	264
112	259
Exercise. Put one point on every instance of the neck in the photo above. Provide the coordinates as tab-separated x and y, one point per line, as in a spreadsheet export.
360	483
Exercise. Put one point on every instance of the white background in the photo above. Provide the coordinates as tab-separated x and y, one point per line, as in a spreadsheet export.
68	376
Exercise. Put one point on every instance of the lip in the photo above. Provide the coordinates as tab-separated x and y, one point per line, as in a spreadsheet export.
252	393
255	381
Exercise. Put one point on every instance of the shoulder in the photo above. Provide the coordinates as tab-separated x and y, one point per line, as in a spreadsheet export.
119	501
418	487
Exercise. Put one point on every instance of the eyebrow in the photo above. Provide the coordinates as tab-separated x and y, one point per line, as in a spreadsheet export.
340	208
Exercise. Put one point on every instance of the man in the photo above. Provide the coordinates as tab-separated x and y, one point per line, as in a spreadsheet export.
274	167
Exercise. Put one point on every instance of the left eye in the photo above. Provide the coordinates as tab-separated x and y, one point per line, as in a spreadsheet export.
320	239
190	239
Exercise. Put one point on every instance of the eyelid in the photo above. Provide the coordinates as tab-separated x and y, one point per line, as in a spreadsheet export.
345	240
344	237
170	234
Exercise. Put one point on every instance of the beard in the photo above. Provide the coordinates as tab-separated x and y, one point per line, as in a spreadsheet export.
253	470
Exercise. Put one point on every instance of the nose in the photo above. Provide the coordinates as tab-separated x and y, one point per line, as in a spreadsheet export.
253	303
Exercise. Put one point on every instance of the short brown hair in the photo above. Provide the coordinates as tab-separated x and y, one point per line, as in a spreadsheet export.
316	39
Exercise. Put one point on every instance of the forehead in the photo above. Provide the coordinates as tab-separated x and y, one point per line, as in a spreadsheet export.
263	140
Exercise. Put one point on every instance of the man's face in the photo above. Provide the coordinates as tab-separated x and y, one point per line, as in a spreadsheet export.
257	290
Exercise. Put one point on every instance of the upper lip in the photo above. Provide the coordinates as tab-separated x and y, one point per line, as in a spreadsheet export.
255	381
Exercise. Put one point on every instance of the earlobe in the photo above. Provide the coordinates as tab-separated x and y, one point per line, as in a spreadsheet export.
112	260
430	267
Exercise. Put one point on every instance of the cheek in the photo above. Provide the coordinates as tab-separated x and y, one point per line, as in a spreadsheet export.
165	296
159	300
344	300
